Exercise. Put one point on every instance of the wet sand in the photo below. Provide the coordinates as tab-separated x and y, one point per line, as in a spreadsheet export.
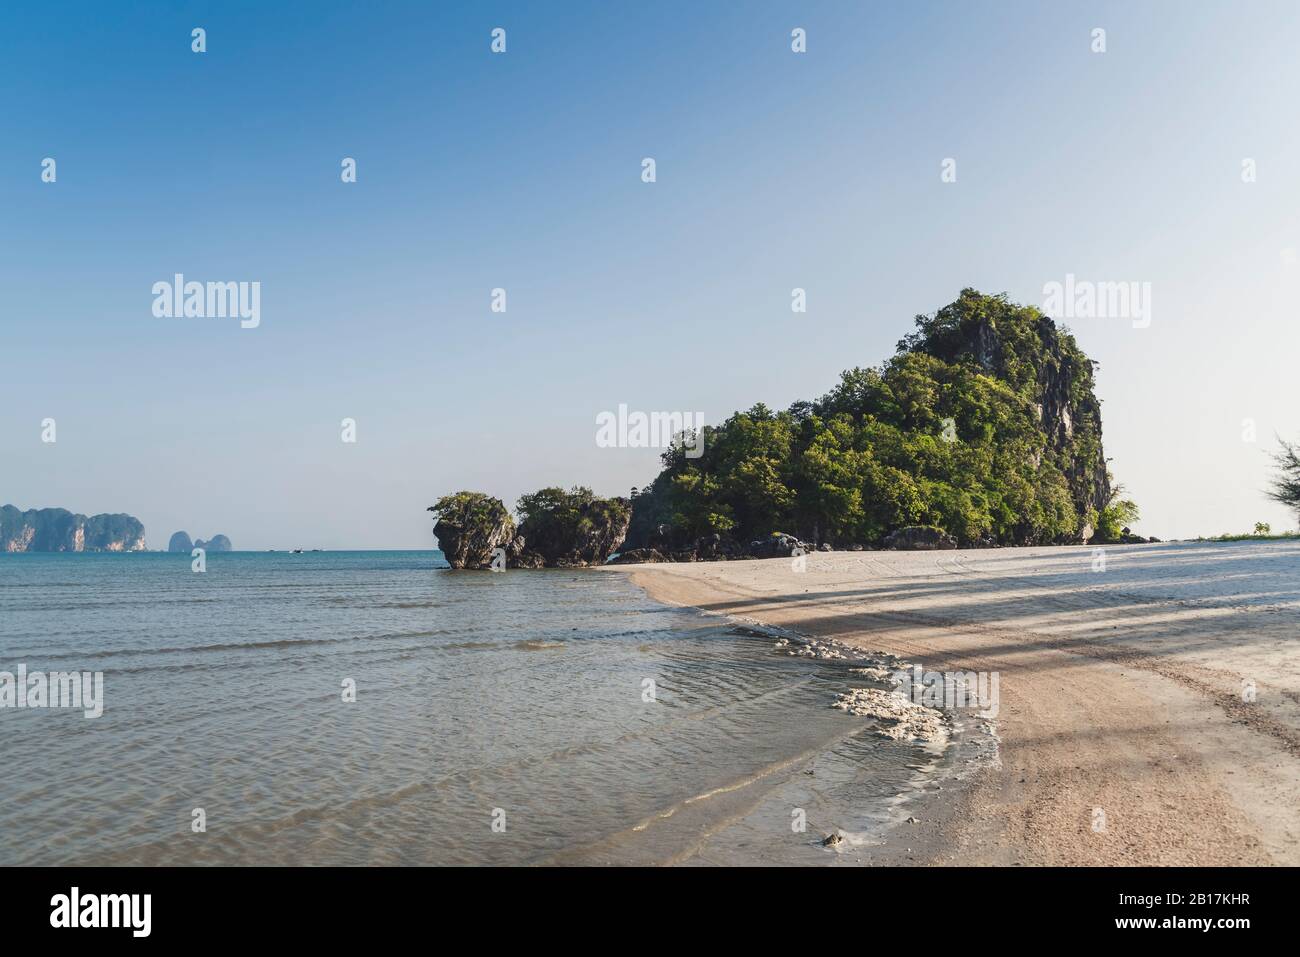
1125	692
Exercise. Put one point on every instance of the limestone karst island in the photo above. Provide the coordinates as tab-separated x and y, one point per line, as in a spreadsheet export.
982	430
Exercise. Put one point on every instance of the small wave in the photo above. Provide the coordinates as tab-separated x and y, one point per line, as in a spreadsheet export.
144	599
278	643
355	602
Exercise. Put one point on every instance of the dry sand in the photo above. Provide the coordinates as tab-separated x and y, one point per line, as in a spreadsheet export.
1120	689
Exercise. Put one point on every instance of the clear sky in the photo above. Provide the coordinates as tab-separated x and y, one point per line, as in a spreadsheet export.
522	171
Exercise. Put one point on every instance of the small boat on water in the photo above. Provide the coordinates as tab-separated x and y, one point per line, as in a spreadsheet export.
295	551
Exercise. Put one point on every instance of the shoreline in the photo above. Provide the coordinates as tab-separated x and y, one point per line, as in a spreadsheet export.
943	775
1126	733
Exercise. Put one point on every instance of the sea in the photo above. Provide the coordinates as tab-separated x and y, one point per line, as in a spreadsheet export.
375	707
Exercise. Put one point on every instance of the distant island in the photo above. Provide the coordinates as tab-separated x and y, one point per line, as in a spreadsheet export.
58	530
982	430
180	542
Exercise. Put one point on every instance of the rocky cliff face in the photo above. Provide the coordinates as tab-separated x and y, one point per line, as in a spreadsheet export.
217	543
579	533
1029	351
180	542
470	527
58	530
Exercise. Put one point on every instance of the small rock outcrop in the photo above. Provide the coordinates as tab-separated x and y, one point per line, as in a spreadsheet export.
180	542
470	527
920	538
778	545
570	529
717	548
639	556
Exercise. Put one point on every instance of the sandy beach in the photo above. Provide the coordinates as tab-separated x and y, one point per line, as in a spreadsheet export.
1126	689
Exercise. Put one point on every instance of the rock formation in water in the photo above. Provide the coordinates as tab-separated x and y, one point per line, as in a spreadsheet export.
470	527
58	530
180	542
557	529
570	529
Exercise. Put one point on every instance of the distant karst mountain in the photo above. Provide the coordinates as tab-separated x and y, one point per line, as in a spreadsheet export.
180	542
58	530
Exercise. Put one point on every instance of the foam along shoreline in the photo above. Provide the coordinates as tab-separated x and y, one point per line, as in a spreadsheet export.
903	716
854	785
1150	714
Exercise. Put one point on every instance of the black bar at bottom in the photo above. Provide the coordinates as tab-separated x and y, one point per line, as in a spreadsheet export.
301	905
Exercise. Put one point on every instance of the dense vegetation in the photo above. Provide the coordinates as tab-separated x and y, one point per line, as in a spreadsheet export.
470	509
553	514
984	423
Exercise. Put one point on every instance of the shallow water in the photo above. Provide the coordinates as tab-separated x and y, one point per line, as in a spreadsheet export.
517	699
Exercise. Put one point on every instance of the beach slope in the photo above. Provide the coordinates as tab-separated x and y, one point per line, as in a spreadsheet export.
1150	702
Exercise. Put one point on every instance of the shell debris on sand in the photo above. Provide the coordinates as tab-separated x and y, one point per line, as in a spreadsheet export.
810	648
877	674
905	719
803	647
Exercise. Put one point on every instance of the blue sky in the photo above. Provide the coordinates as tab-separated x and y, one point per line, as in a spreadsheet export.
522	171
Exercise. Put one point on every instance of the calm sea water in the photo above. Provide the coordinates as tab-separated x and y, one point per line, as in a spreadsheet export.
515	699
